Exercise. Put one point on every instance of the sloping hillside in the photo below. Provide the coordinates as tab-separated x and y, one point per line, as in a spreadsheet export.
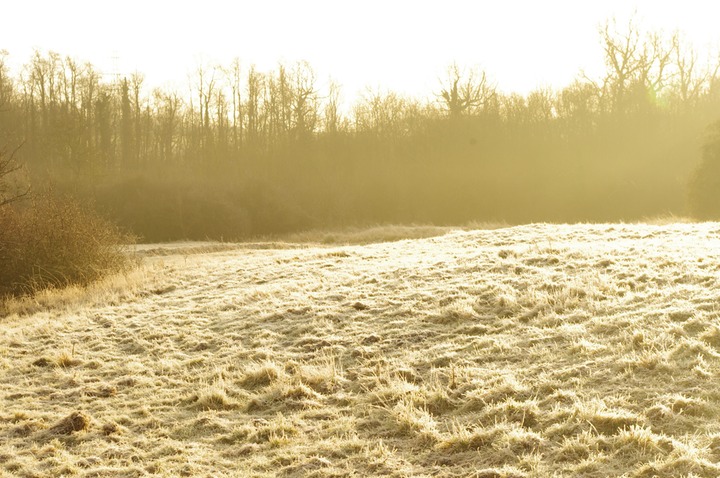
533	351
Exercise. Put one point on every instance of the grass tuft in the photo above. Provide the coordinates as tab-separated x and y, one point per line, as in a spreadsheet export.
75	422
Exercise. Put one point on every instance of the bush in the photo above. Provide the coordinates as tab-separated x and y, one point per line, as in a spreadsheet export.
200	207
705	183
53	241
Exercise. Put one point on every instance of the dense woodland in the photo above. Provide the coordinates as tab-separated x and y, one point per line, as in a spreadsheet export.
246	152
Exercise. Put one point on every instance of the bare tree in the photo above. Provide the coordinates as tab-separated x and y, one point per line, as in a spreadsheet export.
206	94
465	92
541	106
383	115
692	77
141	140
280	103
637	65
6	86
578	107
305	99
332	118
233	78
167	113
254	93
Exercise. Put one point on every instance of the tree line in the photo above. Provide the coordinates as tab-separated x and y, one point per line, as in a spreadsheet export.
246	152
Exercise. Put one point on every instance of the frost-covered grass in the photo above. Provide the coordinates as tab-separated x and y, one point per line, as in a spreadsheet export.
541	350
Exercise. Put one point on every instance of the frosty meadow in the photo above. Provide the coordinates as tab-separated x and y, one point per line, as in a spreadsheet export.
541	350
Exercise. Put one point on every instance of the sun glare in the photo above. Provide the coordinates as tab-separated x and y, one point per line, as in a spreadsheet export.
401	46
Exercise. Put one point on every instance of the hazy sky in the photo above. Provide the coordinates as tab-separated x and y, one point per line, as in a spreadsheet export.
400	45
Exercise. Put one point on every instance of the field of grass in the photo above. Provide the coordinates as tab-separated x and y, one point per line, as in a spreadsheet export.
529	351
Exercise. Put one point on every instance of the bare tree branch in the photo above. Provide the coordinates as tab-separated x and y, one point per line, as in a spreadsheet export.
465	92
10	193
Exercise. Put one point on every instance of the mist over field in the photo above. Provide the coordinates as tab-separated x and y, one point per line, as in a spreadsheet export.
260	275
245	153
